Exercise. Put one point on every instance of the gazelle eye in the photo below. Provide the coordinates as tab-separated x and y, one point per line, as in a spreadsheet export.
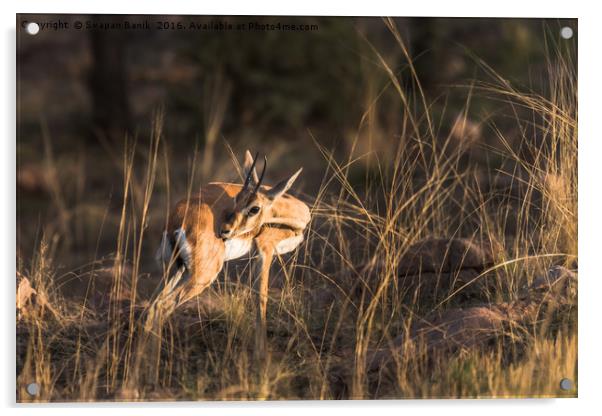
253	210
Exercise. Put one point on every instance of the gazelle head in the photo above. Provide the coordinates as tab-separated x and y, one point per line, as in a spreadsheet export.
251	206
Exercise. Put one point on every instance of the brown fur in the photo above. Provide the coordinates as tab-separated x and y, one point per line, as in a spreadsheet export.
203	217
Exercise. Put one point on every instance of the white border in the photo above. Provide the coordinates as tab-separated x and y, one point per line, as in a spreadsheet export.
590	231
458	8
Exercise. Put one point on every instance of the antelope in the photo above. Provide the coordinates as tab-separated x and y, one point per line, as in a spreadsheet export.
226	221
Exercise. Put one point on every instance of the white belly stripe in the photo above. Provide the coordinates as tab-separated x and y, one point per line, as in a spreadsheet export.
289	244
236	248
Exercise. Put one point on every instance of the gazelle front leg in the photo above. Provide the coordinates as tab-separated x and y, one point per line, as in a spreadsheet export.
266	255
269	242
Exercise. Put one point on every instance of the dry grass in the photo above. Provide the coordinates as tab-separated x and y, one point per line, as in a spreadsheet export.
339	298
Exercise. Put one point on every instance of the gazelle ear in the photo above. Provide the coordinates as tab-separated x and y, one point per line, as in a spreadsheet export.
247	165
282	186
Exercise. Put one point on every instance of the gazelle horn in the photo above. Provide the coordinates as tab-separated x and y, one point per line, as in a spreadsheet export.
265	164
250	173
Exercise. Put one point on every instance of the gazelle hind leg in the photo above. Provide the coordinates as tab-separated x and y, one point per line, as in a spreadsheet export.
166	301
148	349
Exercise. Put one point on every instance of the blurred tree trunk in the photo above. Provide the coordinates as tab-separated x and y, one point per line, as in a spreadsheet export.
108	82
424	47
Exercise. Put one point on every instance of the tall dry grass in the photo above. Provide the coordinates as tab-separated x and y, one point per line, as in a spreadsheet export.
339	297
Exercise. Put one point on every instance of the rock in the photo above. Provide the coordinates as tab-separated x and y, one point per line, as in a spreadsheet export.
432	269
449	332
442	255
440	267
458	329
559	280
461	328
434	287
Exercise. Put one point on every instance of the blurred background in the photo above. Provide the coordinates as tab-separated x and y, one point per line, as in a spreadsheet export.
83	94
